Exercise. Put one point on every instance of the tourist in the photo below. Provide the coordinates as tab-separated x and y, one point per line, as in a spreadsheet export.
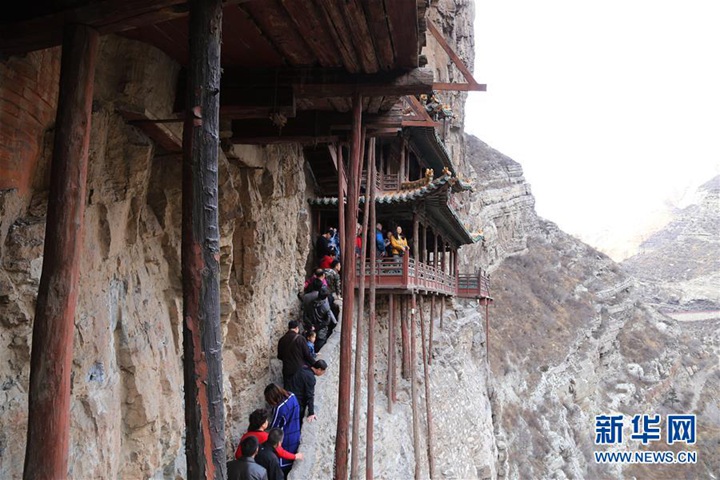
293	351
245	468
334	284
335	242
328	259
286	416
303	386
322	318
322	246
379	240
258	424
310	336
267	456
399	243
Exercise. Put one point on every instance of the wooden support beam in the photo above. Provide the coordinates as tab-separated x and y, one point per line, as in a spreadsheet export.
106	16
202	333
414	82
442	311
432	328
309	23
459	87
345	252
405	332
471	83
155	129
341	436
332	14
360	35
404	29
48	434
360	334
428	398
413	387
370	424
377	22
391	353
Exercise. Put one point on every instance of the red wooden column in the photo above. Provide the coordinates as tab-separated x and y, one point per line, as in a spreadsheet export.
348	286
435	252
360	334
342	185
405	332
370	424
432	323
428	401
391	353
413	384
202	334
48	434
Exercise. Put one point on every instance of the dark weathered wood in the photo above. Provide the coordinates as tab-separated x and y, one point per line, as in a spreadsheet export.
403	24
414	389
451	53
359	340
342	189
360	35
414	82
276	24
432	324
202	335
372	176
335	23
48	434
377	22
459	87
308	21
156	130
428	398
392	349
405	339
108	16
348	285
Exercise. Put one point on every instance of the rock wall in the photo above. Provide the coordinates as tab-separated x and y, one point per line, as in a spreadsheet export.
127	406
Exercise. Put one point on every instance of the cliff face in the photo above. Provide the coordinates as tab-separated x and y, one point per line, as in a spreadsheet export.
570	339
127	413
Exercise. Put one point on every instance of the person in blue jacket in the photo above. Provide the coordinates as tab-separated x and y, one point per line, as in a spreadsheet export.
379	240
286	416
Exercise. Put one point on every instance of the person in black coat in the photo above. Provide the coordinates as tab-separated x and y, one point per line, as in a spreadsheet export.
245	467
293	351
268	458
303	386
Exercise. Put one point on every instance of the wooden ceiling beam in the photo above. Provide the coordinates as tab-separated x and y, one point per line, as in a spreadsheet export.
414	82
335	23
307	20
402	17
377	22
360	35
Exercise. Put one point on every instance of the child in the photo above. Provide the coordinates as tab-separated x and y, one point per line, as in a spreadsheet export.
257	428
310	336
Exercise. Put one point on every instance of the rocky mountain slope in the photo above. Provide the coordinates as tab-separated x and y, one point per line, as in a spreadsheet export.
678	268
570	339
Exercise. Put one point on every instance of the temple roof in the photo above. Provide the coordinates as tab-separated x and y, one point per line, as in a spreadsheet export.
432	200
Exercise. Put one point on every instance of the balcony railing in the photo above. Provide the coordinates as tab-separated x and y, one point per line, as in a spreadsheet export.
406	274
386	182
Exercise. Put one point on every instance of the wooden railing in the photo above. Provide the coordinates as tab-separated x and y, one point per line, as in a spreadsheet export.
473	285
405	273
385	182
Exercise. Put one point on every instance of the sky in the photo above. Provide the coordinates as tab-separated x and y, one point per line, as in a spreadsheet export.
612	108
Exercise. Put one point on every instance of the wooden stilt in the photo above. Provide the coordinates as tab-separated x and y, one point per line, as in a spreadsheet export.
442	311
413	386
345	252
48	434
391	353
359	340
369	471
405	331
202	333
435	252
343	421
432	323
428	399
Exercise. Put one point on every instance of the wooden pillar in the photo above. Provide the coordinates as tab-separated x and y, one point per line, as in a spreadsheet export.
345	252
416	235
442	311
391	353
442	255
360	333
428	402
348	286
432	323
369	471
424	244
413	386
202	332
48	434
401	170
405	331
435	252
456	263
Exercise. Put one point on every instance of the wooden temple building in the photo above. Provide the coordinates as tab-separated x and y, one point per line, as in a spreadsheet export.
345	78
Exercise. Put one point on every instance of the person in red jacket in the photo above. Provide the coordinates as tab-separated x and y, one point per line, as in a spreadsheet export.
257	428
